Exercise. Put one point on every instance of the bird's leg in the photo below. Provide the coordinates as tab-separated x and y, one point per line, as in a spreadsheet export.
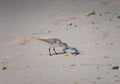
50	52
54	50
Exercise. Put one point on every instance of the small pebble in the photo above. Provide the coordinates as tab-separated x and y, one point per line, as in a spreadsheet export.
98	78
75	25
4	68
72	65
118	16
70	24
115	67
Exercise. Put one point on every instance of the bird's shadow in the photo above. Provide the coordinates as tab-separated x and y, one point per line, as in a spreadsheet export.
61	53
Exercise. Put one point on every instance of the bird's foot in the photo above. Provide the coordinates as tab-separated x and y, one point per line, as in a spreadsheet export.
50	54
56	53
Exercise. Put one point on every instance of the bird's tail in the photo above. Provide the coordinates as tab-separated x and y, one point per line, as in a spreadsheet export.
43	40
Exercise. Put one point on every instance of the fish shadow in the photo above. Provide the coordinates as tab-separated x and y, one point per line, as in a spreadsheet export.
61	53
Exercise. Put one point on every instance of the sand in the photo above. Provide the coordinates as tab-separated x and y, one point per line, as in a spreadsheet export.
91	26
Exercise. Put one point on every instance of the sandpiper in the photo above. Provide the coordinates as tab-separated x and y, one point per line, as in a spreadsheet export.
54	42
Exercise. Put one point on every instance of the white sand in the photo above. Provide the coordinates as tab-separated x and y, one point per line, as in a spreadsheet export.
96	36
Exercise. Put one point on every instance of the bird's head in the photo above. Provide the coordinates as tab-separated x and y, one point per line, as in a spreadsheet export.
65	45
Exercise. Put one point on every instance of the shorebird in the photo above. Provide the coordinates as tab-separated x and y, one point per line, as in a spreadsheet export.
54	42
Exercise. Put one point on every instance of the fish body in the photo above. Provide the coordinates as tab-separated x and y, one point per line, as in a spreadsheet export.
71	50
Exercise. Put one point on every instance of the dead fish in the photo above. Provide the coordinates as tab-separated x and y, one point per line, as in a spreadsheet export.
71	50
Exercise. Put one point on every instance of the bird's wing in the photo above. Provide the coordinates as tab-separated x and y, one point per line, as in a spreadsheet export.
51	40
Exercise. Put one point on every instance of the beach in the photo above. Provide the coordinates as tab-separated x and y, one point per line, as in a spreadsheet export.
91	26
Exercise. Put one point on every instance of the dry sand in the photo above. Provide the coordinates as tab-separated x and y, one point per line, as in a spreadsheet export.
92	26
